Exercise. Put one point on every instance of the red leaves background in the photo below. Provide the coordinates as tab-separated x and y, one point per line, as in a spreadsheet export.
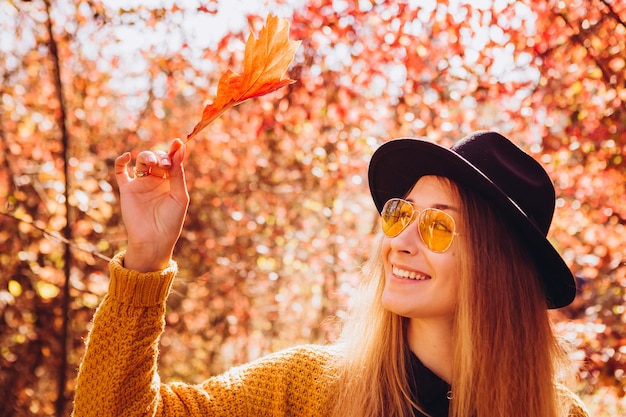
280	218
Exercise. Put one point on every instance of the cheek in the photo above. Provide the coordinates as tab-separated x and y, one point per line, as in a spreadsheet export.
386	252
386	248
453	271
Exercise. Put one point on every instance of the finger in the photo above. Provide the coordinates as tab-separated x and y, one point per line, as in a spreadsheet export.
121	171
177	172
177	152
175	146
162	167
145	162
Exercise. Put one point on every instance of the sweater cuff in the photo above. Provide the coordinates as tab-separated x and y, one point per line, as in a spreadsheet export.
139	289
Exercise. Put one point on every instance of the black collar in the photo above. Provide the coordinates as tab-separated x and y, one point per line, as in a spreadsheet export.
429	391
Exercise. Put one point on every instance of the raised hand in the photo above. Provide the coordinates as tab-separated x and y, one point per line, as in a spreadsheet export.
154	202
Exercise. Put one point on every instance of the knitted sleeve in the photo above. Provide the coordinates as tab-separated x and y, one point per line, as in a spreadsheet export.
118	374
573	402
295	382
578	409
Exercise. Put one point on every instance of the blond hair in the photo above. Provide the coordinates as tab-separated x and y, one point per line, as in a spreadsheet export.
506	353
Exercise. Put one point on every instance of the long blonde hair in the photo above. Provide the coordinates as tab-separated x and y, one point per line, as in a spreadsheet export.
506	354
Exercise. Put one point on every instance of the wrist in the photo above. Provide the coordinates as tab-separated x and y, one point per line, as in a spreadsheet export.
144	258
139	289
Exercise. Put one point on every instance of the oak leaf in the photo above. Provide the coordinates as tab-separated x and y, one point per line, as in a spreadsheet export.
265	63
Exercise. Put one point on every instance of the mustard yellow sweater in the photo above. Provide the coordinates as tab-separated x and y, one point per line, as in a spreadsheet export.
118	375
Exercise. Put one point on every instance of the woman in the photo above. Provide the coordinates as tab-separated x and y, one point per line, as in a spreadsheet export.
451	320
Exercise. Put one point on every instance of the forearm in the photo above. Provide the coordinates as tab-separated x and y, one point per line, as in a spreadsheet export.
118	372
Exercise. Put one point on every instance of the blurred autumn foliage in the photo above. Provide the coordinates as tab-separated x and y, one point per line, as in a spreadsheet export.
280	216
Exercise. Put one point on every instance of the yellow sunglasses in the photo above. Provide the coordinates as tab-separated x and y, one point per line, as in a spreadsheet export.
436	227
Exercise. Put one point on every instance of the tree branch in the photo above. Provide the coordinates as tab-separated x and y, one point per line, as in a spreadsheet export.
67	230
613	13
57	237
576	37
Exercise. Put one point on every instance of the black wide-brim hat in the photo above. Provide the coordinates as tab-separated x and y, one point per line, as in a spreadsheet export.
493	166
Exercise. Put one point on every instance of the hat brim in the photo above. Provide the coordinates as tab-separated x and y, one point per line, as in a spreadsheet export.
398	164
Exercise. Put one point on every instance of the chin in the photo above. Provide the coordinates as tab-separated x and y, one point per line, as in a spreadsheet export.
391	304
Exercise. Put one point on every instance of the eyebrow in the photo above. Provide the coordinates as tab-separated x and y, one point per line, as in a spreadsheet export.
445	207
439	206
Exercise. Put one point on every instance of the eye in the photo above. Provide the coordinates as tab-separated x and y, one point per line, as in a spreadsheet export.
438	221
442	226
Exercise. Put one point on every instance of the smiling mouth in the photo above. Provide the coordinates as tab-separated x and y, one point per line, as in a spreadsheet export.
402	273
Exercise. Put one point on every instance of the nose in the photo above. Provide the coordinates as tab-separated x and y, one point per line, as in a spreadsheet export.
408	241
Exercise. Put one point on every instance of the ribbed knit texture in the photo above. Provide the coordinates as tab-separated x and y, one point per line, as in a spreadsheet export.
118	375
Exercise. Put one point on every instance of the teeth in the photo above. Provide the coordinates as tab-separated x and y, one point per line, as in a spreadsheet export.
409	274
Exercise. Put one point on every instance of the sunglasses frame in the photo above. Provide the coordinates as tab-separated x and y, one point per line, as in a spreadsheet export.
416	215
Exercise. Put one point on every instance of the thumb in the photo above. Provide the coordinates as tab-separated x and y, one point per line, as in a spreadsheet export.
177	172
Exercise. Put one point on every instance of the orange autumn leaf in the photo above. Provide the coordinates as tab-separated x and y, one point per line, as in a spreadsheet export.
265	63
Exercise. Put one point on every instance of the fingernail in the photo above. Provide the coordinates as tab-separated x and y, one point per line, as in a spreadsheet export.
166	162
152	159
